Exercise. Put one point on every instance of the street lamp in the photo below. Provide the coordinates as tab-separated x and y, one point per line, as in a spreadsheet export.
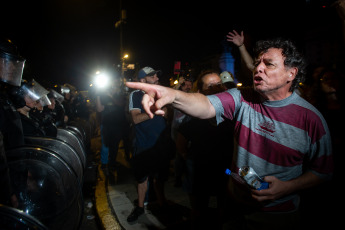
126	56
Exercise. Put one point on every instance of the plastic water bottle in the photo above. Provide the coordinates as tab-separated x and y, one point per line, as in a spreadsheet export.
235	176
248	175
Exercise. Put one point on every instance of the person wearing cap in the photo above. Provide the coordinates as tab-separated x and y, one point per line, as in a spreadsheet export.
227	79
148	146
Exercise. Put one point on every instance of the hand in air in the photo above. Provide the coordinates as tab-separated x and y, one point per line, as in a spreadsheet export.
236	38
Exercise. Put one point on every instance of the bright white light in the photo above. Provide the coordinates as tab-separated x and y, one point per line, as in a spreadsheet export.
101	80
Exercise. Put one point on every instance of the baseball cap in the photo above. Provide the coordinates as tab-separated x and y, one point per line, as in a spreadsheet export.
147	71
226	76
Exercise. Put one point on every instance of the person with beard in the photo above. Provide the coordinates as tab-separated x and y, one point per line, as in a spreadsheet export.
151	152
205	148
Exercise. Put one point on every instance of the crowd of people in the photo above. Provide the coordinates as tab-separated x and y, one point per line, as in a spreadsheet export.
284	129
272	127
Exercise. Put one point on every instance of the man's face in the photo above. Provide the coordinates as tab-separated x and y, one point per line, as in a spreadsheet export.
67	96
39	106
151	79
30	102
271	77
187	86
52	103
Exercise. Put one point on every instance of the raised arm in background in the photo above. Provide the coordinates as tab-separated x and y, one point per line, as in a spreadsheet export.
238	40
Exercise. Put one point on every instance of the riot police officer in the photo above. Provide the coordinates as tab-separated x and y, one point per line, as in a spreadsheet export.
11	133
25	99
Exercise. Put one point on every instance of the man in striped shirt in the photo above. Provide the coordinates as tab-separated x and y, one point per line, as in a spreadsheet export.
277	133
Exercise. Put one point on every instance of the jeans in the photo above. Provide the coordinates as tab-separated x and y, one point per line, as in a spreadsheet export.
104	150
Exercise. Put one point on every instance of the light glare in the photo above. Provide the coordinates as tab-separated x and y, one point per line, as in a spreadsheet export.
101	80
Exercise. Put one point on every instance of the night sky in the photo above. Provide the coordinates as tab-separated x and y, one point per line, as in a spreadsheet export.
66	41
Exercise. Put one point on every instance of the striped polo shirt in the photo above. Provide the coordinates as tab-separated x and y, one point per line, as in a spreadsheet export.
276	138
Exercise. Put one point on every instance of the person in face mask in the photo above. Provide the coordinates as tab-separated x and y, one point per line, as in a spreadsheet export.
205	148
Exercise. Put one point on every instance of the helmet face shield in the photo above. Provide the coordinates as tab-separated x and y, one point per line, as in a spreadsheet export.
44	100
65	89
57	96
34	90
11	69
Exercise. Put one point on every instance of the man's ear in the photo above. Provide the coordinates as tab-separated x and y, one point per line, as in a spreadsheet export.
292	73
143	80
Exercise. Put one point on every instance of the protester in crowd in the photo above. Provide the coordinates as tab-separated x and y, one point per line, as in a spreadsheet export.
205	146
325	92
280	135
186	85
110	102
151	157
80	108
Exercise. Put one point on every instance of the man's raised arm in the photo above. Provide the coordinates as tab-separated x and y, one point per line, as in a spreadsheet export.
156	96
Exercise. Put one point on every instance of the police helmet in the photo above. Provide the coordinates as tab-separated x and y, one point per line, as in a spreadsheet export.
11	63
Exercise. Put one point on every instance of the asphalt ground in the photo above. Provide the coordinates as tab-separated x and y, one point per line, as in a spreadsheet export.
108	200
90	219
116	194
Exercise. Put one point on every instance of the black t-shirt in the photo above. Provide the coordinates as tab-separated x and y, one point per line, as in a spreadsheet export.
114	110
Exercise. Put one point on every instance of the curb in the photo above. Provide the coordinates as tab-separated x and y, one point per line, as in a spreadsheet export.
106	217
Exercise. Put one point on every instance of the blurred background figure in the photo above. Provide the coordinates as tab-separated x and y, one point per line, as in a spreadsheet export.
205	148
185	85
110	102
